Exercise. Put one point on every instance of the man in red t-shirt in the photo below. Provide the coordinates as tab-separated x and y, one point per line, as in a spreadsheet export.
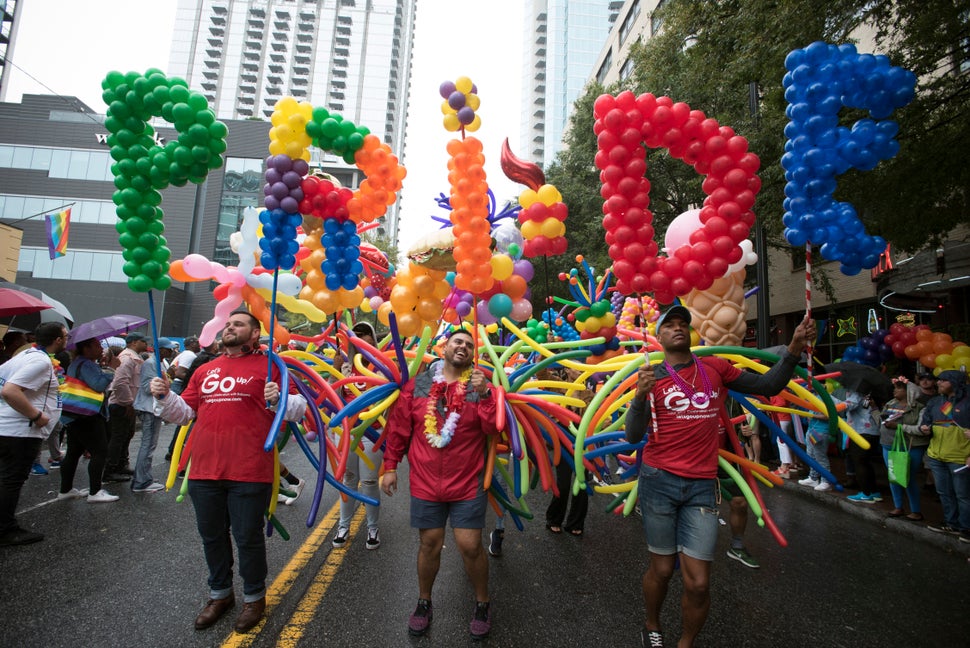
231	476
440	421
680	401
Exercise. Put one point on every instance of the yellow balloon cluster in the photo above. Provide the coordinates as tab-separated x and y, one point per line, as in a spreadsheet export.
288	135
543	213
459	105
416	299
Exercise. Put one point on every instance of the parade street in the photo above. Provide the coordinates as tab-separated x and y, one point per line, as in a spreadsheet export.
131	573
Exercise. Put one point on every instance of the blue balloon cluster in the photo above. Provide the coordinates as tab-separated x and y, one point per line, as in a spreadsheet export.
342	267
871	350
278	243
563	330
821	79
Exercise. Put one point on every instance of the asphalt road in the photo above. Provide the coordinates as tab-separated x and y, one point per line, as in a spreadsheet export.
131	574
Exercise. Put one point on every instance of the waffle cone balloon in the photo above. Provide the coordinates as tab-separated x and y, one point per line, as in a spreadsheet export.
719	313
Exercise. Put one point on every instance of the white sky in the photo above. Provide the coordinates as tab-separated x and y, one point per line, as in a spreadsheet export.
69	45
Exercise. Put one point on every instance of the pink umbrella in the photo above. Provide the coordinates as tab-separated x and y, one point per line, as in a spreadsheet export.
14	302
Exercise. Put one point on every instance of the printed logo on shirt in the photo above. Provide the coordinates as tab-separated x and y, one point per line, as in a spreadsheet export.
213	383
677	401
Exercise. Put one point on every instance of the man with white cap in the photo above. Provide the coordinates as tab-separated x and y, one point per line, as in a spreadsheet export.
680	400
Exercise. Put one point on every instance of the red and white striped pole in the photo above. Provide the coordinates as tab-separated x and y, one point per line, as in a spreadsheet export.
810	347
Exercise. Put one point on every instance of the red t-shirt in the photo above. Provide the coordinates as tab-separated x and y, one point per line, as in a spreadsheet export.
231	421
685	435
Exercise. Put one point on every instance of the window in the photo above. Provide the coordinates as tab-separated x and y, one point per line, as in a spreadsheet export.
241	188
631	18
75	164
75	265
627	70
605	68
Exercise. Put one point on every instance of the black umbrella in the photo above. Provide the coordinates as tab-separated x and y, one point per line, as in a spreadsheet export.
863	379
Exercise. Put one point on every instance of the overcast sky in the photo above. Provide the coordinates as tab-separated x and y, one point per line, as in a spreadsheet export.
67	46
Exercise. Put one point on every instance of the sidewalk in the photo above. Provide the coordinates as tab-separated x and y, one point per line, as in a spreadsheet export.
878	513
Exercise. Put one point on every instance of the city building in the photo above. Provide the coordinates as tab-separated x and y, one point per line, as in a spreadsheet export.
562	41
54	155
352	57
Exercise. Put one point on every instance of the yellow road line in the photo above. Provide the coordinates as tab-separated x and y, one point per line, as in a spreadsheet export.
284	581
291	634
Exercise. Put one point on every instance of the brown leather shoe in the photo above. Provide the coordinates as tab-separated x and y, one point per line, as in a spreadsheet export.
213	611
250	615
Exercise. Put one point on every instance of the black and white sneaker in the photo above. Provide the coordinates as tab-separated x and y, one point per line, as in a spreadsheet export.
340	540
495	542
651	638
373	538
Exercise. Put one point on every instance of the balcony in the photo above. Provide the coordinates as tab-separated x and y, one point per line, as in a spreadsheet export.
210	74
217	31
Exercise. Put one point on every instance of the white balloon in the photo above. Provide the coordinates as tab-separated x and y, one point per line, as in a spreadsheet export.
748	257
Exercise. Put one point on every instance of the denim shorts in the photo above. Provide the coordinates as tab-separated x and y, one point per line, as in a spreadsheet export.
679	514
465	514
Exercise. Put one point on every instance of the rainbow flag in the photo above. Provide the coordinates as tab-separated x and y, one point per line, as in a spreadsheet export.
58	227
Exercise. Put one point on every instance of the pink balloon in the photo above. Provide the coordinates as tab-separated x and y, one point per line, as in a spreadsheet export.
679	230
521	310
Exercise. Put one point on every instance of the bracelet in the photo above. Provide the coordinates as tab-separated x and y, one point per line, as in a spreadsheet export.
36	418
391	470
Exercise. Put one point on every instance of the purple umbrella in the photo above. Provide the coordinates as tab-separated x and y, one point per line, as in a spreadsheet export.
104	327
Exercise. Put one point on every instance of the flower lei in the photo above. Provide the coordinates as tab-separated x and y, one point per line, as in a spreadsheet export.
452	405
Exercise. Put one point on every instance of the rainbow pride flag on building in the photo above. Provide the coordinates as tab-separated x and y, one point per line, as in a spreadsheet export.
58	227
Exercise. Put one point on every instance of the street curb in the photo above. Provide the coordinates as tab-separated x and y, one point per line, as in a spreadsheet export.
915	530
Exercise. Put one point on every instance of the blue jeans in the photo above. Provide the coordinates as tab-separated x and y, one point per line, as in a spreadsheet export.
679	514
16	457
954	490
913	490
150	426
224	506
